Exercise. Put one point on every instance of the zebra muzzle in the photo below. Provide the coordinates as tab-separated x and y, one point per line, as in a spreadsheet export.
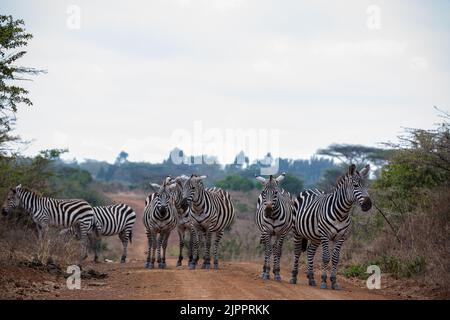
367	204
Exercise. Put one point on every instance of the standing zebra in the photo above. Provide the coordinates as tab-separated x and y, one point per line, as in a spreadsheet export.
111	220
321	218
160	216
47	212
183	220
211	212
274	214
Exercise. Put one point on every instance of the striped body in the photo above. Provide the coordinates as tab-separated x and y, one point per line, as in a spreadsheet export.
323	218
160	217
274	216
212	211
45	212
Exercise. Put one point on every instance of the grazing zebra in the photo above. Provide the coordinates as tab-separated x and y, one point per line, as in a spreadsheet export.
211	211
47	212
160	216
183	220
321	218
111	220
274	216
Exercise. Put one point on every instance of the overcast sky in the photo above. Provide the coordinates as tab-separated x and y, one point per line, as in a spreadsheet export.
137	73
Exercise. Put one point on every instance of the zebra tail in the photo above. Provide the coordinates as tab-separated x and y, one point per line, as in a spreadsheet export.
304	244
131	236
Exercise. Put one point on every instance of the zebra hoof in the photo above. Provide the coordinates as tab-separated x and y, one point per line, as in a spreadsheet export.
323	285
179	264
293	281
206	266
277	278
335	286
312	283
191	266
123	260
266	276
150	265
216	266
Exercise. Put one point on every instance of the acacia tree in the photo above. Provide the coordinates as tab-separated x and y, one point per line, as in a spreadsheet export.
13	39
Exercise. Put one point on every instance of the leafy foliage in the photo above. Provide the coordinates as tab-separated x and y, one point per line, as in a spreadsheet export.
236	182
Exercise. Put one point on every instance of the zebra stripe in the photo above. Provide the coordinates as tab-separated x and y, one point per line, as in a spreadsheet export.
321	218
211	212
274	216
47	212
183	219
160	216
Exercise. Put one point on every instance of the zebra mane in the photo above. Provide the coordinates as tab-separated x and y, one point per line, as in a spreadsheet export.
25	189
344	177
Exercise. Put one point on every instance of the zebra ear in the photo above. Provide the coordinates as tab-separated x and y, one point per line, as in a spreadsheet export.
155	185
19	186
352	169
281	177
261	179
365	171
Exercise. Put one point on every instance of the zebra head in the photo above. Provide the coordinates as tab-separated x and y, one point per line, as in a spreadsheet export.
12	200
165	194
270	193
178	193
191	189
358	186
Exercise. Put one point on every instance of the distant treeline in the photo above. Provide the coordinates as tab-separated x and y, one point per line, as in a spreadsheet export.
139	174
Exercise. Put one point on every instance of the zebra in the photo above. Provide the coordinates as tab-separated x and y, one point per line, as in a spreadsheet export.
211	211
183	220
160	216
117	219
274	217
321	218
47	212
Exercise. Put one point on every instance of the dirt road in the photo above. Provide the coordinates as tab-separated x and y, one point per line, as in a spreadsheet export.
236	280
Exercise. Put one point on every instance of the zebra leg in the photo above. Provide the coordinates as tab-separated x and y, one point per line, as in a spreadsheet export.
191	244
207	254
123	236
325	262
219	236
164	247
196	234
158	249
278	249
181	236
267	240
150	264
334	261
297	252
311	252
95	244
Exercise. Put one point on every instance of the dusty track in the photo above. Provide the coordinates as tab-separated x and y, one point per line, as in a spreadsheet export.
236	280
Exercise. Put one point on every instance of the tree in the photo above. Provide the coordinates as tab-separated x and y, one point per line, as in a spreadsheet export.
122	157
13	38
356	154
292	184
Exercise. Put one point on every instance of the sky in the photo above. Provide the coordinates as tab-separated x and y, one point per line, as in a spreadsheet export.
204	75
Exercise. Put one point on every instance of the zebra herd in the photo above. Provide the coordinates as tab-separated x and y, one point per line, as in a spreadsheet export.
316	219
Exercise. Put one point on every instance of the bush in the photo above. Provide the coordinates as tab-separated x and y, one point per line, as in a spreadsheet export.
236	182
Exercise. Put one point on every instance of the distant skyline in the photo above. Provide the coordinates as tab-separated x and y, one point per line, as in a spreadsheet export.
138	76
